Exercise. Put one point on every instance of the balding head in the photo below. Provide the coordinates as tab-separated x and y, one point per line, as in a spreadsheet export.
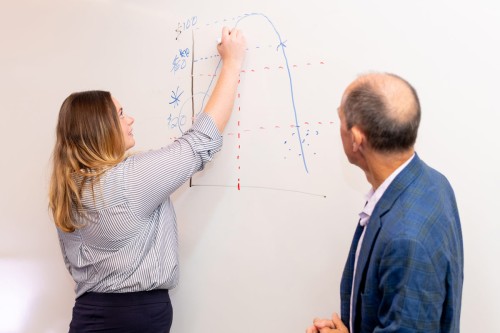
386	108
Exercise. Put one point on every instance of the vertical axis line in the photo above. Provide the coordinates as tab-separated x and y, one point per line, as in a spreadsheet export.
192	90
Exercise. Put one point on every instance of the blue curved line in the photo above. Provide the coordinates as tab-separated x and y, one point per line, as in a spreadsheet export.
205	94
209	85
289	78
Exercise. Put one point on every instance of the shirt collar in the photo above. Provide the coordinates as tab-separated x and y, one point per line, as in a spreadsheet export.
372	197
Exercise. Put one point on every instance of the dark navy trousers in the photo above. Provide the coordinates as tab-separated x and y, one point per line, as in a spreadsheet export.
137	312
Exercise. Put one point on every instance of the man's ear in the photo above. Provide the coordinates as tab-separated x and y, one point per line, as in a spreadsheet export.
358	138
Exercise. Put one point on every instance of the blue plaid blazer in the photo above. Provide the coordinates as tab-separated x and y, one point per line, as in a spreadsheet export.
409	273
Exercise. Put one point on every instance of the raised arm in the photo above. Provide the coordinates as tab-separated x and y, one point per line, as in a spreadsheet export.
232	51
151	177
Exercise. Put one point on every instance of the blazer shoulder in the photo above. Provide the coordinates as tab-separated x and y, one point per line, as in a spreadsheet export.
417	182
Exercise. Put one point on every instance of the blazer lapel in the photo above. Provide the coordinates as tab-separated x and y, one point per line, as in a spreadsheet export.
371	232
398	185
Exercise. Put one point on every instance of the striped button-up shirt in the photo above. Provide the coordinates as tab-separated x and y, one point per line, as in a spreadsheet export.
128	241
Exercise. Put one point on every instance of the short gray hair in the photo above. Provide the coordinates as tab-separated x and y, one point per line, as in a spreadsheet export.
368	107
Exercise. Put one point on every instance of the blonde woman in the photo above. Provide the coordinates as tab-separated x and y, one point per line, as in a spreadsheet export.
113	213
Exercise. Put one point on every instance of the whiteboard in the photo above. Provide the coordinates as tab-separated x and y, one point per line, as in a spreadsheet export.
265	228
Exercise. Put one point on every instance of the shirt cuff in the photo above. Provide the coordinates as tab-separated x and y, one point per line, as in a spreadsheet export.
204	138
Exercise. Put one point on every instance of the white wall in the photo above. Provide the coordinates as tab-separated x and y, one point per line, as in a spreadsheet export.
267	257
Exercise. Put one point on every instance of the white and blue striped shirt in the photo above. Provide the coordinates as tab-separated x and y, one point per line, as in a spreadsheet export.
129	239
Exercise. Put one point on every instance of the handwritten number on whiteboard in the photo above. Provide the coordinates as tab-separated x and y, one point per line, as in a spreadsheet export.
175	121
186	25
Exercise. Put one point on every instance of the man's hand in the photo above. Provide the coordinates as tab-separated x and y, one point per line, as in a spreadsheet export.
334	325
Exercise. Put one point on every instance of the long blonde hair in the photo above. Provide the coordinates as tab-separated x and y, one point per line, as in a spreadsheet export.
89	141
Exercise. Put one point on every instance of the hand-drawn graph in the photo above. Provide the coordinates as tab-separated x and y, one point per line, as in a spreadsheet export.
269	142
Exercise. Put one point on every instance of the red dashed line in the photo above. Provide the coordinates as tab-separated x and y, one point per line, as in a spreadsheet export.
275	127
256	70
264	128
239	146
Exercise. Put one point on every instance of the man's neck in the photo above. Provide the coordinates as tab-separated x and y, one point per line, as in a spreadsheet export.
381	165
